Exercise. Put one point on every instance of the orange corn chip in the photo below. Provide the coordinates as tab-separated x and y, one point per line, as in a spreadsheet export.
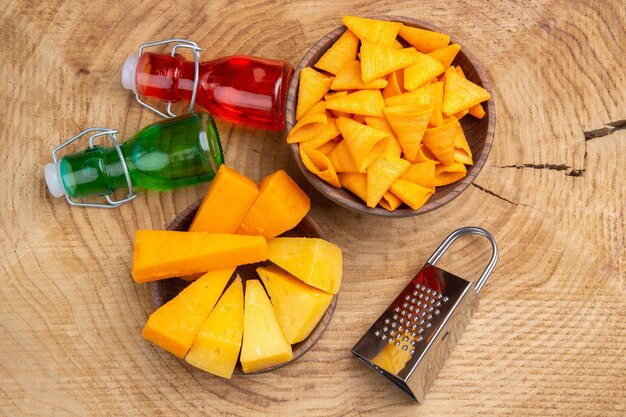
378	60
415	196
425	69
339	54
395	81
363	102
424	40
462	151
436	99
327	147
421	96
318	163
477	111
381	174
447	174
356	183
422	173
461	114
328	133
440	140
426	155
349	78
396	44
358	118
336	94
459	71
393	148
341	159
313	86
308	127
373	30
446	54
364	143
461	94
409	123
390	201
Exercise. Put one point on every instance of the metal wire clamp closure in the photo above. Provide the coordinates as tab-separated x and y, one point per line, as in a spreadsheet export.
112	135
180	43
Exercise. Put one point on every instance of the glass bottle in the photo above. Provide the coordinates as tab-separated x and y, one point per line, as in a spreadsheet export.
169	154
240	89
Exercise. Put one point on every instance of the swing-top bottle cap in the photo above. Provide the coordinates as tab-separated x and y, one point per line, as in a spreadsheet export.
53	180
129	71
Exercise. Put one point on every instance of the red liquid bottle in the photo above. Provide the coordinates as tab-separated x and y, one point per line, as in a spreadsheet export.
240	89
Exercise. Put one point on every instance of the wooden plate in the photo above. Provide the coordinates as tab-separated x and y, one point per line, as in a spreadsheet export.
479	132
165	290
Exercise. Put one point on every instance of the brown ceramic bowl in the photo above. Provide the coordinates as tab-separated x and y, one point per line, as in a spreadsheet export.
165	290
479	133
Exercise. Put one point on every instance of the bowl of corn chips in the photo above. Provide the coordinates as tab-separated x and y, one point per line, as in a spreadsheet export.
389	116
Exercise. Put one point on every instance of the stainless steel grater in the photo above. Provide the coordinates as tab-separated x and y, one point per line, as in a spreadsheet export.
411	340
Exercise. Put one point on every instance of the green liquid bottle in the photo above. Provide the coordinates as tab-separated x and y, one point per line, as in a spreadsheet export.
169	154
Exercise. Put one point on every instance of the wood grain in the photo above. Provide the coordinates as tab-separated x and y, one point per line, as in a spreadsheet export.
549	337
478	132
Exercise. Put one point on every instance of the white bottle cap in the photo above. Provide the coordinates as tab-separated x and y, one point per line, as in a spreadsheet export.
129	71
54	180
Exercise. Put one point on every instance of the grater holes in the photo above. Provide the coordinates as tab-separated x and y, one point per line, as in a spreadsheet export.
377	333
404	347
412	352
397	344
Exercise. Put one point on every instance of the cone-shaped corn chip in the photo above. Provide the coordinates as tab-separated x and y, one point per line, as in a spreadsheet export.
313	86
373	30
349	78
327	147
339	54
424	40
459	71
395	84
409	124
390	201
319	107
363	102
364	143
356	183
440	141
477	111
381	174
396	44
462	151
341	159
415	196
420	96
447	174
378	60
425	155
460	94
336	94
328	133
422	173
461	114
359	118
308	127
436	99
424	70
393	148
318	164
446	54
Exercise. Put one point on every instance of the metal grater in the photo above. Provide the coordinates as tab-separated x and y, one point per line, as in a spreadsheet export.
411	340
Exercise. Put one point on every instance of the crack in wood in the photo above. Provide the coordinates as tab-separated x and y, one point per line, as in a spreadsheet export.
608	129
550	167
483	189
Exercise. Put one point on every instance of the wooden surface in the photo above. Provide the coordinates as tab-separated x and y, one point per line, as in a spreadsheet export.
549	337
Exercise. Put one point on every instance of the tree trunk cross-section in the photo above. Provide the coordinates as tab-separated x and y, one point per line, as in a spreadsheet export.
549	336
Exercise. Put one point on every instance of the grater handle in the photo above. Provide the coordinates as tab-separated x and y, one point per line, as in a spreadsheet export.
469	230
